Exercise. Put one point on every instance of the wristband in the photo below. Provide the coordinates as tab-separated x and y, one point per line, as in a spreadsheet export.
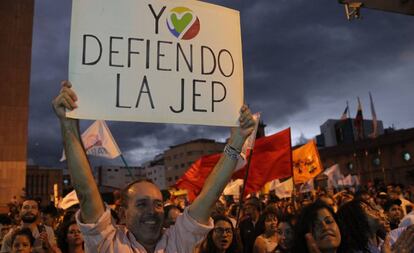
231	152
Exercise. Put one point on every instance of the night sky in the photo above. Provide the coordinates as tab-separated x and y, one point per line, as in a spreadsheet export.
302	61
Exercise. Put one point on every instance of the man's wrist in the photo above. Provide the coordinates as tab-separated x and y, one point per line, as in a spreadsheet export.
231	152
236	142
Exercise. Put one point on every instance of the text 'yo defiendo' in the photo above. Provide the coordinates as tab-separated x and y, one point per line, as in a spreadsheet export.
153	56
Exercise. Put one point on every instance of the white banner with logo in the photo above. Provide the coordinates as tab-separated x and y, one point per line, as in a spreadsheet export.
156	61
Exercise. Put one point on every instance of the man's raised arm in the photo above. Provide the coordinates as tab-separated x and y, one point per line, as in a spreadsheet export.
90	201
201	208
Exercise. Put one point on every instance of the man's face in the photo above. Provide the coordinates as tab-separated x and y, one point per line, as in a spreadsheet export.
30	211
390	189
251	211
395	213
145	212
376	219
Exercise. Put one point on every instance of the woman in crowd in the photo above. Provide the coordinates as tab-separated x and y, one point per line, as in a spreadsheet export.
316	230
364	229
70	239
221	239
22	241
285	235
267	242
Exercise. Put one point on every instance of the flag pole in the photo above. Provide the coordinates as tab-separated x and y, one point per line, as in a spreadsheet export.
127	167
249	158
291	169
349	111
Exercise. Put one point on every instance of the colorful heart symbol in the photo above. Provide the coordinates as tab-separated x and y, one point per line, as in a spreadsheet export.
181	23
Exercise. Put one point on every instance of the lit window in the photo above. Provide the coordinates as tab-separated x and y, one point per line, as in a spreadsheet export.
376	161
350	166
406	156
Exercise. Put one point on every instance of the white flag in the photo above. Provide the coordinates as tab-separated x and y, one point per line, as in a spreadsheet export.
334	176
307	187
282	189
347	181
233	188
98	141
355	180
248	144
69	200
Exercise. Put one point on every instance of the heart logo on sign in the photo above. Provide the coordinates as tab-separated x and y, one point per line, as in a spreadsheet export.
183	23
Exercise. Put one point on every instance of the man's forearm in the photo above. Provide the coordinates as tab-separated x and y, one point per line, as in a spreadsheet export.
201	208
80	171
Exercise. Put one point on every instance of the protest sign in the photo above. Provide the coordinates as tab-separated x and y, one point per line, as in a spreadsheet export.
156	61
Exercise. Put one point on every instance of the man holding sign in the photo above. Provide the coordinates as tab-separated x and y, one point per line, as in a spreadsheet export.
142	200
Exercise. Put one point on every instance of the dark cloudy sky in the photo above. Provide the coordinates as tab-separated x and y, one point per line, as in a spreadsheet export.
302	61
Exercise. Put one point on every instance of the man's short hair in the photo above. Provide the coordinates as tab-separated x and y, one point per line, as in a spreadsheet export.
124	192
253	201
391	202
34	200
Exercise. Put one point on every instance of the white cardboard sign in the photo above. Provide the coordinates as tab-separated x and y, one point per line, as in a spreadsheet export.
156	61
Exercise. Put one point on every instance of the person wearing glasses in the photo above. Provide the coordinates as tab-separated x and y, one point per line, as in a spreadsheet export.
221	239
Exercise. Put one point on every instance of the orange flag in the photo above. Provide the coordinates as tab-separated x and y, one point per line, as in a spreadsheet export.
306	163
271	159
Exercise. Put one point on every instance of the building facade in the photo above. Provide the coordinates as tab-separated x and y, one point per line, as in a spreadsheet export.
41	183
110	178
387	158
335	132
155	171
16	19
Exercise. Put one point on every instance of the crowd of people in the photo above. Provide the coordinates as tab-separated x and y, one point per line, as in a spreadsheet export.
375	218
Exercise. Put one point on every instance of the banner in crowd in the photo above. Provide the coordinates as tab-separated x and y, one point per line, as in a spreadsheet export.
98	141
350	180
271	159
334	176
306	163
156	61
307	186
233	188
69	200
282	189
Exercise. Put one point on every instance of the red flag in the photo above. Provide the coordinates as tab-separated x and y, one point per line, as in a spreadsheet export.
194	178
359	122
271	159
